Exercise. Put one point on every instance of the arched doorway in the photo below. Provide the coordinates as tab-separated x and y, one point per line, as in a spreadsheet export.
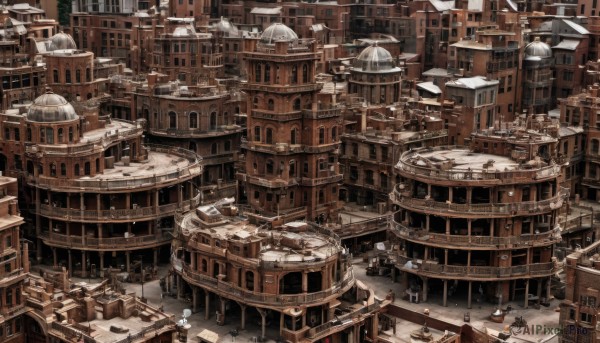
35	331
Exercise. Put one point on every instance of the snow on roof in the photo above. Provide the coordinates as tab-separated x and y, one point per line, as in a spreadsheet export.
266	10
580	29
441	5
430	87
567	44
473	82
436	72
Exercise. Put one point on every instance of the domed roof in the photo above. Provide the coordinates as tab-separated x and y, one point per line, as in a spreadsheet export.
278	32
374	59
62	41
225	26
537	48
51	107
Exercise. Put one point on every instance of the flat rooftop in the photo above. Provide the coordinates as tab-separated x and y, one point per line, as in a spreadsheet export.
462	159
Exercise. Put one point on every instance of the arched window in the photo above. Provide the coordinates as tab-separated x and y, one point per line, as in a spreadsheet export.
294	136
294	75
297	105
97	165
305	73
87	168
214	149
213	121
29	134
257	72
67	76
193	147
70	134
255	103
269	139
88	74
52	169
193	120
60	135
78	76
76	170
270	105
257	133
63	169
172	120
292	172
267	73
270	166
334	133
55	75
321	196
595	146
321	135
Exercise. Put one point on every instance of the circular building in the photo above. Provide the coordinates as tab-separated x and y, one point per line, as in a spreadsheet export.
375	76
99	196
537	76
294	278
472	221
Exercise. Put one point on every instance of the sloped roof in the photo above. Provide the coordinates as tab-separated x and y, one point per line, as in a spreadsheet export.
580	29
442	5
430	87
266	10
567	44
472	82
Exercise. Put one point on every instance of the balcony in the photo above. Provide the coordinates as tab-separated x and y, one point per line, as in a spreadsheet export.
465	242
332	112
285	89
245	296
270	115
483	273
219	131
480	176
495	210
105	244
117	215
270	182
12	277
317	181
97	183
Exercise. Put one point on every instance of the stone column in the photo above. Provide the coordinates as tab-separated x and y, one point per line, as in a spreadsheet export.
445	303
83	264
425	288
207	308
470	294
101	253
526	304
70	263
243	312
55	258
263	322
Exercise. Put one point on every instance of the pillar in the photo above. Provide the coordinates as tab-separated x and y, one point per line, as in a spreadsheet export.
549	288
101	253
539	290
155	261
445	304
127	261
83	264
263	322
281	322
194	299
425	288
70	263
55	258
243	320
207	302
526	305
470	294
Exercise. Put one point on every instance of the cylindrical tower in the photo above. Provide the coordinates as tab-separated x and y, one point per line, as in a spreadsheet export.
537	77
475	220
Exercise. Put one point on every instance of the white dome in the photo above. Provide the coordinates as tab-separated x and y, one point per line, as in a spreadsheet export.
374	59
537	48
62	41
51	107
278	32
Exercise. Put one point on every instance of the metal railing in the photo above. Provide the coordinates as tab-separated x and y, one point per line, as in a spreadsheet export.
273	299
509	175
127	182
118	214
517	208
464	241
435	269
135	242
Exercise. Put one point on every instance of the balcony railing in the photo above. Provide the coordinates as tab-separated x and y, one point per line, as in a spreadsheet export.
510	175
117	214
109	243
293	88
433	269
127	182
399	197
196	133
283	300
305	181
322	113
474	242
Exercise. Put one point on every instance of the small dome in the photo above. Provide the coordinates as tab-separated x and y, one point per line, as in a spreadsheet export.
278	32
537	48
51	107
374	59
184	31
62	41
225	26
